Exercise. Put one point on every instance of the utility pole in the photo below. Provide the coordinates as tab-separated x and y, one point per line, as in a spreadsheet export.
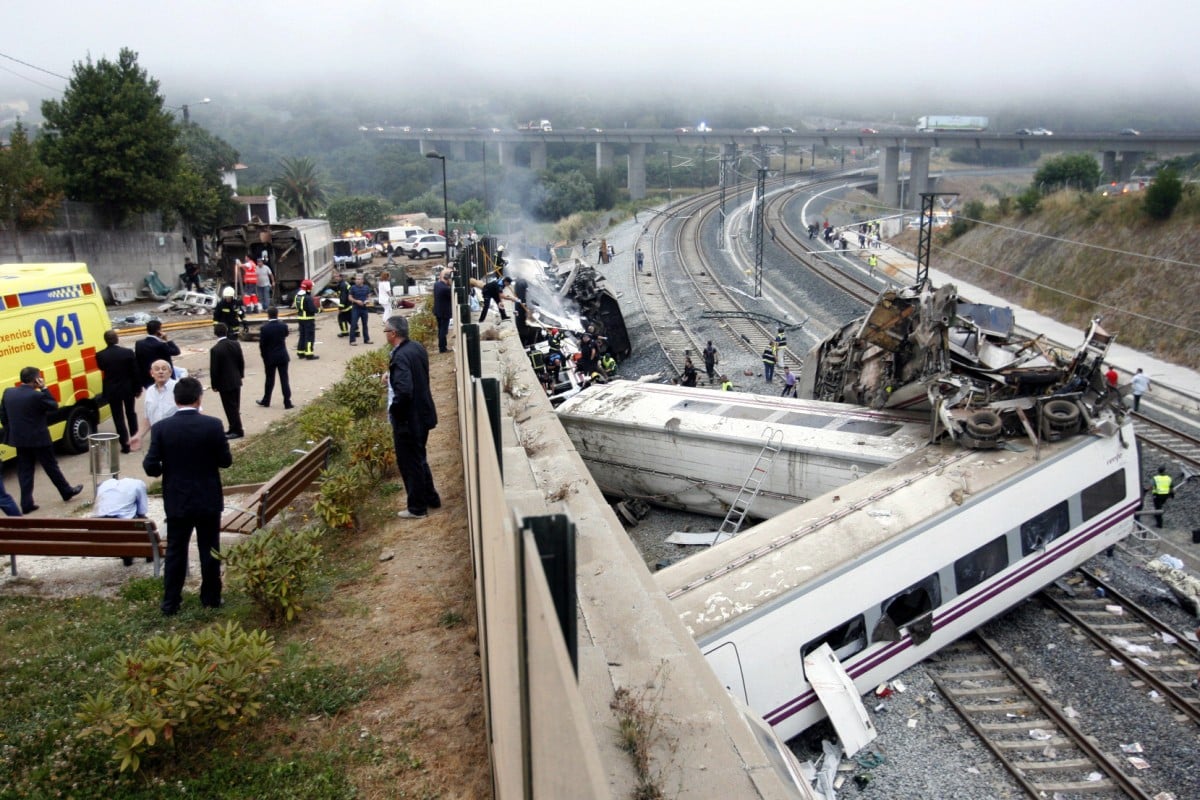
760	206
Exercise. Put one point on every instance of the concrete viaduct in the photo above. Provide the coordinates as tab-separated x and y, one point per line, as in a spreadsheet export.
1119	152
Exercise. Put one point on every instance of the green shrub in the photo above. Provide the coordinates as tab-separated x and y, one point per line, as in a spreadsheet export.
1029	200
341	493
173	686
370	444
361	396
323	419
1163	194
274	567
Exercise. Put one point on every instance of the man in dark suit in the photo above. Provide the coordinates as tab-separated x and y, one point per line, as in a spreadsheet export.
227	368
189	450
23	412
272	345
121	385
413	415
153	348
443	298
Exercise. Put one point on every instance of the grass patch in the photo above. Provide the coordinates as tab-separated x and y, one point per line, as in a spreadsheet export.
306	743
261	457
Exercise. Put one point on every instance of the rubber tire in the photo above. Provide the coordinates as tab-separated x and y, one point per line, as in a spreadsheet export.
1061	413
81	424
424	254
984	424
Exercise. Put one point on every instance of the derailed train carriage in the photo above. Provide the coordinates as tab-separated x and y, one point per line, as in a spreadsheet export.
1029	468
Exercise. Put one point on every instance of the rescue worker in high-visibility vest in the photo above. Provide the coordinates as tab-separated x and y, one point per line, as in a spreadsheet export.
769	359
872	262
250	277
608	365
726	384
345	307
306	319
1161	489
780	339
230	311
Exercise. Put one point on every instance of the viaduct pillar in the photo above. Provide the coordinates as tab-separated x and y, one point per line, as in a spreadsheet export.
1108	164
636	171
537	156
918	176
604	156
507	153
1129	160
889	177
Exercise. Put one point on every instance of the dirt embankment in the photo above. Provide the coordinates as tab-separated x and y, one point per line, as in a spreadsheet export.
1081	256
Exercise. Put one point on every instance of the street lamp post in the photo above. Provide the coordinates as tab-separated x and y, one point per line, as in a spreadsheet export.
445	204
184	109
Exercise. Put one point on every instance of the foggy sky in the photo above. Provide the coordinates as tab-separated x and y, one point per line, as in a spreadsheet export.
963	56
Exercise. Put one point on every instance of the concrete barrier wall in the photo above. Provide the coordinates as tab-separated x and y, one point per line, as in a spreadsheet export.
122	256
553	734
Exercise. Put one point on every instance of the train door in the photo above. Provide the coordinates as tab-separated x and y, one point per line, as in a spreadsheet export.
725	662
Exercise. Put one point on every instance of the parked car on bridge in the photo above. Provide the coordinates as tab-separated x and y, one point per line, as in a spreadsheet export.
1130	132
703	128
684	129
758	129
787	130
867	130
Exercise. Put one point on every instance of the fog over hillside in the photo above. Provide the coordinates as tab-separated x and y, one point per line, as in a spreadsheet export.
886	58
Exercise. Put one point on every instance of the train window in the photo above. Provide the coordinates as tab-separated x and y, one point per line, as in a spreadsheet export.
804	420
748	412
869	427
920	598
696	407
1103	494
1043	529
976	567
845	640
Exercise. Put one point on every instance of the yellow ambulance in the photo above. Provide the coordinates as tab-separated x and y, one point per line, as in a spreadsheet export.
52	317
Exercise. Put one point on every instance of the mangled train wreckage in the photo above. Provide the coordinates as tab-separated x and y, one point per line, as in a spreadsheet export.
943	469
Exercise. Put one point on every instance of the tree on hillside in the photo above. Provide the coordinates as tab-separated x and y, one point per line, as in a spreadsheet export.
300	186
558	196
110	138
29	194
1163	194
357	213
203	199
1077	170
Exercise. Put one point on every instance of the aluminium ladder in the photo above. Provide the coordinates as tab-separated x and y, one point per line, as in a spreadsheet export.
745	497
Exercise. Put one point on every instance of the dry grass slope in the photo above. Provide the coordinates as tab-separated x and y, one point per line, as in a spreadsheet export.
1152	305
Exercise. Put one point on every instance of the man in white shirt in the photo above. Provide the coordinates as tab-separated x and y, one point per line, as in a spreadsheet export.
158	401
122	498
1141	385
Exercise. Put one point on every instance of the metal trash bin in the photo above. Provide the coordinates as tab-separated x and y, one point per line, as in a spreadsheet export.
104	453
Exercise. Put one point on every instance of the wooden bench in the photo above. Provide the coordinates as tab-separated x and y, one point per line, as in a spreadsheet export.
81	536
277	493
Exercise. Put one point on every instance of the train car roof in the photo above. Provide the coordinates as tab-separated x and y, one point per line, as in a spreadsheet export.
867	434
816	539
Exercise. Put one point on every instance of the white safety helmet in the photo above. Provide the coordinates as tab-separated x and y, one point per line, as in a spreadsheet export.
227	292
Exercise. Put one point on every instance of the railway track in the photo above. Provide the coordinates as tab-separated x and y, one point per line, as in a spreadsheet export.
1147	648
681	283
1037	742
1177	444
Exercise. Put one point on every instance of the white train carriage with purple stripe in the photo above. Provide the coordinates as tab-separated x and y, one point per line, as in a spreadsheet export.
896	564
